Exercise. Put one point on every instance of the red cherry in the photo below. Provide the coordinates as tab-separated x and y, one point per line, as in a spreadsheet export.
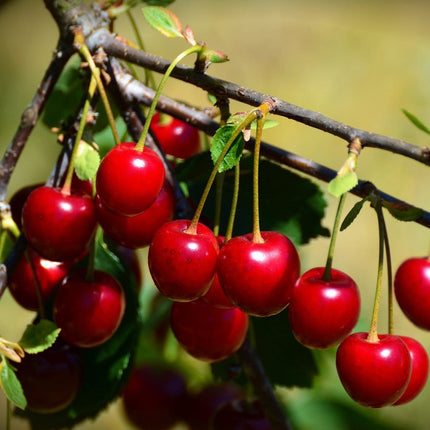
129	180
259	277
22	284
58	226
374	374
153	397
18	200
322	313
137	231
50	379
182	264
412	290
420	370
176	137
208	333
88	312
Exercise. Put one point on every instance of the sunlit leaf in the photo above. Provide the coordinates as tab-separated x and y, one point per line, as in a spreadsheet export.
163	20
219	141
11	385
40	336
415	121
342	184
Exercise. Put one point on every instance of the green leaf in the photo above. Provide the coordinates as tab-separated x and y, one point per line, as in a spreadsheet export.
352	214
163	20
289	203
417	122
11	385
87	163
402	211
342	183
158	2
219	141
215	56
40	336
269	123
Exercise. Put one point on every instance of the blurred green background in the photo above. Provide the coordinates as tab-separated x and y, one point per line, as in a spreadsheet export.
357	62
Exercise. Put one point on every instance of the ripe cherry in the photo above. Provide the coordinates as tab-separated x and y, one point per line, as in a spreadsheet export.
322	313
208	333
374	374
52	378
58	226
176	137
259	277
137	231
22	283
88	312
412	290
18	200
182	264
129	180
420	370
153	397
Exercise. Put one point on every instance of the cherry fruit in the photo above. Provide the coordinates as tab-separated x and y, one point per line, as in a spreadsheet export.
208	333
88	312
153	397
183	264
412	290
322	313
420	370
259	277
18	200
58	226
129	180
176	137
137	231
374	374
52	378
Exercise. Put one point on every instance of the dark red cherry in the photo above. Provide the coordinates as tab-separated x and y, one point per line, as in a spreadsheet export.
259	277
208	333
182	264
18	200
412	290
176	137
322	313
374	374
88	312
137	231
57	225
22	283
129	180
52	378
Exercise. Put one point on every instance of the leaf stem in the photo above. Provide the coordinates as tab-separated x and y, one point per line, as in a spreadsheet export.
37	285
328	265
8	414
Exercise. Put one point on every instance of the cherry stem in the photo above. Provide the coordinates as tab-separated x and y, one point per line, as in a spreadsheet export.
229	230
83	49
66	189
8	414
37	284
373	332
328	265
218	200
89	276
141	143
192	229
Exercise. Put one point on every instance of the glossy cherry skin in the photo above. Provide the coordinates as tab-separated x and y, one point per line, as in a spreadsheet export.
322	313
176	137
88	313
412	290
58	226
137	231
207	333
259	277
22	284
153	397
420	370
129	180
182	264
374	374
52	378
18	200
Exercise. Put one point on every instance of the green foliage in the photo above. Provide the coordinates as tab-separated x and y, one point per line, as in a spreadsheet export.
38	337
87	163
342	183
401	211
352	214
289	203
11	385
416	121
163	20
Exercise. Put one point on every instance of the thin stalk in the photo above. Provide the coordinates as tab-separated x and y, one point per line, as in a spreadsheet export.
328	265
3	237
373	332
8	414
82	123
141	143
40	304
218	200
89	276
229	230
85	52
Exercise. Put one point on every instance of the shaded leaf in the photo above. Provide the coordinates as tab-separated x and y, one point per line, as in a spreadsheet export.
163	20
402	211
11	385
157	2
352	214
87	163
342	183
415	121
219	141
40	336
